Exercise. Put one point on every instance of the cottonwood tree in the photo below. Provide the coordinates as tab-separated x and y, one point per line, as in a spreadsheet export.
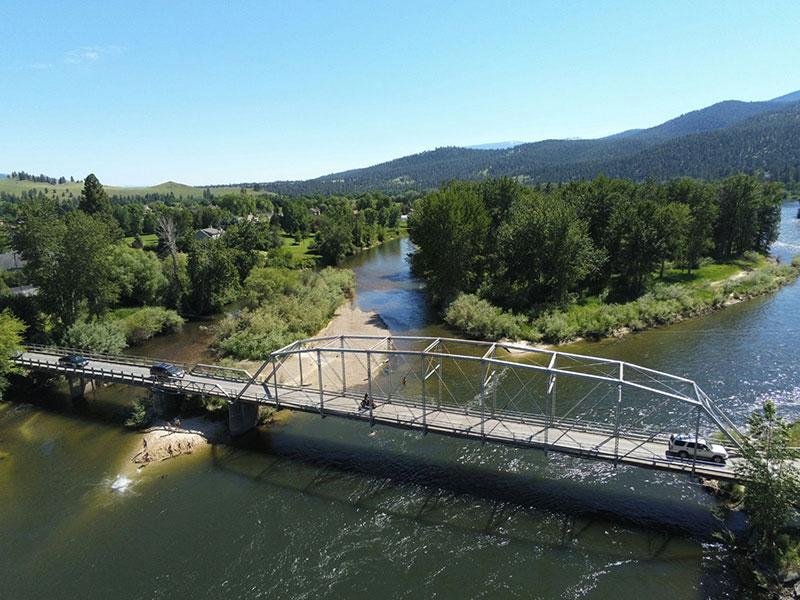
167	232
450	227
546	249
771	481
68	259
212	275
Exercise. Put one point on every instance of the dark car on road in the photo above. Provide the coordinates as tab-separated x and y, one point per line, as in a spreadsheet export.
73	360
166	371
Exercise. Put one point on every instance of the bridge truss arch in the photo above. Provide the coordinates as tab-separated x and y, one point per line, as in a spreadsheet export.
501	392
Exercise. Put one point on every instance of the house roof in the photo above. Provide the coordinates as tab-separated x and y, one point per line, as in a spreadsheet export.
10	261
209	232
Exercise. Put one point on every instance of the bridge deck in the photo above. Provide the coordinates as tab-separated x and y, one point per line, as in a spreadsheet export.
570	438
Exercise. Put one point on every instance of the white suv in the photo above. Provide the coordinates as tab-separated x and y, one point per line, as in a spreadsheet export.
684	446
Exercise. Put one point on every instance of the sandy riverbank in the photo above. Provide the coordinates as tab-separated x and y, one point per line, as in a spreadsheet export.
347	320
166	442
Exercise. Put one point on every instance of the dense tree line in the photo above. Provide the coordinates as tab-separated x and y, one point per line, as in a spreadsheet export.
346	225
522	247
23	176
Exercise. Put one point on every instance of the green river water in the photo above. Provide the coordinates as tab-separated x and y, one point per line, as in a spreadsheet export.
317	508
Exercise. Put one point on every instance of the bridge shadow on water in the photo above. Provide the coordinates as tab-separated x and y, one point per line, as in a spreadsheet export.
527	507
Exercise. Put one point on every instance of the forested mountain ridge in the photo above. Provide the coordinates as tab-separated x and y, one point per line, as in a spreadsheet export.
726	137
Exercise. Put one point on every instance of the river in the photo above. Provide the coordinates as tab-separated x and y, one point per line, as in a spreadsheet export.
318	508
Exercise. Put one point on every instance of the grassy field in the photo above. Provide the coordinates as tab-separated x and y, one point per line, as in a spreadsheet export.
149	241
16	187
712	273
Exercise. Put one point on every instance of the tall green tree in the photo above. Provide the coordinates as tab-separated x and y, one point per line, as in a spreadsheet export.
546	249
673	221
139	276
638	243
213	276
334	239
768	215
771	481
69	259
295	217
94	198
450	226
698	235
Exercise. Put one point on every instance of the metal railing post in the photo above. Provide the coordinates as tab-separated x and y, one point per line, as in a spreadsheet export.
617	412
483	399
496	384
300	361
439	399
275	379
424	370
369	386
696	440
344	380
319	374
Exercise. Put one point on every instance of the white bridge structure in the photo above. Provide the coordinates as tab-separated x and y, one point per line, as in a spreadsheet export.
510	394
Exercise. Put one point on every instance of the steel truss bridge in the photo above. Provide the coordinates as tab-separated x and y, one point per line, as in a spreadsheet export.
493	392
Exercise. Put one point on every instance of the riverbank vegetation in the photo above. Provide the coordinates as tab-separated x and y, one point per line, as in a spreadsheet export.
549	263
281	306
113	272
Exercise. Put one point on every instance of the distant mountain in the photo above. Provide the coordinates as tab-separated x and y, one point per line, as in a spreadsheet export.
793	97
724	138
3	175
495	146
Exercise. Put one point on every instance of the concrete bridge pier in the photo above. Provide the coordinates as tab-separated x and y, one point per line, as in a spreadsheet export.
242	417
164	402
77	387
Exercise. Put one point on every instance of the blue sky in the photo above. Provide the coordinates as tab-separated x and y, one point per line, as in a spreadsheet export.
223	92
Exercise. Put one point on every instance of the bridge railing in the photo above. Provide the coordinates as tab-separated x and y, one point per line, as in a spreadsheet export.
654	454
125	376
633	402
119	358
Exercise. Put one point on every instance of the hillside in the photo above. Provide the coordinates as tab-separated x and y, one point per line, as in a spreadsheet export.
16	187
726	137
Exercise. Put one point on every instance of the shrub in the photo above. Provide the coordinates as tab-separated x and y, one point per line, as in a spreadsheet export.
555	327
705	261
104	337
482	319
282	306
142	324
752	256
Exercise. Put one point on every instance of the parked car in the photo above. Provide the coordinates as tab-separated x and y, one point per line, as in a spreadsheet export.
166	371
684	446
73	360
